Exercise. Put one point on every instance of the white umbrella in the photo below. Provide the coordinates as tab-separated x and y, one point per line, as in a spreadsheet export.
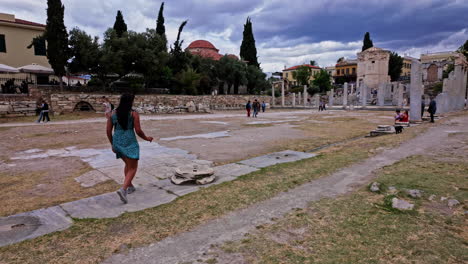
6	68
35	68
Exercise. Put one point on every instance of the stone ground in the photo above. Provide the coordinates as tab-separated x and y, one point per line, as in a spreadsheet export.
196	244
45	165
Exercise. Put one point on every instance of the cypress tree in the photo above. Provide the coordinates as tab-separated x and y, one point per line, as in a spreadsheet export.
57	38
248	51
119	26
160	29
367	43
395	63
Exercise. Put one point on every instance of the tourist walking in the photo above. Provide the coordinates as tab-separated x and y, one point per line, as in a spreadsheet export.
423	106
432	109
125	124
108	107
256	107
44	114
263	107
248	107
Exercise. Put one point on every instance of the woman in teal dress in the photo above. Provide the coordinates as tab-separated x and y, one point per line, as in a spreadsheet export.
125	124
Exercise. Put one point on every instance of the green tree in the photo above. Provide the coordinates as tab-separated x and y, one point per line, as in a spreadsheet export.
464	49
232	72
340	59
160	28
322	81
84	51
367	43
395	63
313	63
248	51
256	80
179	59
119	26
302	75
189	79
57	38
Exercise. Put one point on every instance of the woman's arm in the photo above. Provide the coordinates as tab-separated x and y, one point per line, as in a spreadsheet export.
139	132
109	129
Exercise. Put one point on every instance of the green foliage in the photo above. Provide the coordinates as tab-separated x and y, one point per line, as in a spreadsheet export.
188	81
302	75
367	43
340	60
119	26
464	49
447	71
395	64
322	81
84	51
437	88
248	50
160	28
233	72
313	63
256	80
179	59
313	89
57	37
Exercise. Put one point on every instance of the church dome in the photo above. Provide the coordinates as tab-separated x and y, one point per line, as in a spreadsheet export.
201	44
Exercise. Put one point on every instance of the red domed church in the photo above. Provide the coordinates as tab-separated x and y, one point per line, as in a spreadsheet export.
205	49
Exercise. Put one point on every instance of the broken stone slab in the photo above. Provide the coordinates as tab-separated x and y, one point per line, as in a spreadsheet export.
233	170
193	171
401	204
452	203
109	205
16	228
276	158
375	187
414	193
92	178
178	190
432	197
392	190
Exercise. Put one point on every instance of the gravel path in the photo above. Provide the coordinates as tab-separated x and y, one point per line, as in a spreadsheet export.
189	246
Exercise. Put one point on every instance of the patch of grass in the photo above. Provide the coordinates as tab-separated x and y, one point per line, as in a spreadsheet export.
351	229
94	240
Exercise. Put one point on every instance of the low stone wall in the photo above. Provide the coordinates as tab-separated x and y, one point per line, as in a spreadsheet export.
17	105
65	103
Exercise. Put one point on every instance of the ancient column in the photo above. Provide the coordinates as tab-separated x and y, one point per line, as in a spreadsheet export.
381	94
273	94
363	95
305	96
317	100
400	91
282	93
294	99
345	95
331	98
415	91
299	97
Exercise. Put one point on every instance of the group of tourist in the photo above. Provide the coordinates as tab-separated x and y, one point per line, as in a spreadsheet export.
9	87
255	106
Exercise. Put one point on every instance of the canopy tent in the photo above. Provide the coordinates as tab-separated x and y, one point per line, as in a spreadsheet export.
35	68
7	69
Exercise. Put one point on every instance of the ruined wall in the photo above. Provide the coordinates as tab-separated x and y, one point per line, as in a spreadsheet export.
17	105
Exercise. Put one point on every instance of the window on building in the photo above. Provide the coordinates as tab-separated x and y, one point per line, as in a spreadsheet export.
2	43
286	75
40	47
354	71
347	71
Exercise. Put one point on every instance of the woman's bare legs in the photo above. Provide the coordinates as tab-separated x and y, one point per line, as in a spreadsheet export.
131	166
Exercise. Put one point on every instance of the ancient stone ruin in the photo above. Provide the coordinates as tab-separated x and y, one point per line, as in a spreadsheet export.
199	174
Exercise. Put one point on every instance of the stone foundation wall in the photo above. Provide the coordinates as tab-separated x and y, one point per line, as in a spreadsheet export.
66	103
17	105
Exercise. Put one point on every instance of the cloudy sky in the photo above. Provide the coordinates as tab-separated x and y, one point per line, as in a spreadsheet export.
287	33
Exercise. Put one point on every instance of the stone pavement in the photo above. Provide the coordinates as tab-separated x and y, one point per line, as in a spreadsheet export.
190	246
152	182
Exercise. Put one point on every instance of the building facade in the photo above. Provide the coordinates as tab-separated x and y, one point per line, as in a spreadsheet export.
15	37
373	67
346	71
406	68
434	64
289	76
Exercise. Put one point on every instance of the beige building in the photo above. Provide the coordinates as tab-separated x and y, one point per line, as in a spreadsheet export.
372	67
15	36
288	73
434	64
406	69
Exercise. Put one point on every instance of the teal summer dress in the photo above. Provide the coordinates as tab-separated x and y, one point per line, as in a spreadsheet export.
124	142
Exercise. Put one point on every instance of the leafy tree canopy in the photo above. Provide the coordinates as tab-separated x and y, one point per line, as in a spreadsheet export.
322	80
119	26
302	75
395	64
84	51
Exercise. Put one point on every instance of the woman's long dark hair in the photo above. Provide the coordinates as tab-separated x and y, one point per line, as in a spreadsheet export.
123	110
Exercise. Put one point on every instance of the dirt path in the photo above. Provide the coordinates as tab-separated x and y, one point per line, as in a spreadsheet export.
191	245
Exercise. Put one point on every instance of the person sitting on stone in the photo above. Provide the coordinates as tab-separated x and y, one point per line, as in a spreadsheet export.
398	115
405	117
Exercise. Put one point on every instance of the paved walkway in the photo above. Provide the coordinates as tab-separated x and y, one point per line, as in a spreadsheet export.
189	246
160	117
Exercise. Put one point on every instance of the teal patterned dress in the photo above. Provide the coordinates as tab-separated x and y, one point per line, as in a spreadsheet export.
124	142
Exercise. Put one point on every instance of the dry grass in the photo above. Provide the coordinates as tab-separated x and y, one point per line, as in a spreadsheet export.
355	228
91	241
64	117
30	190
